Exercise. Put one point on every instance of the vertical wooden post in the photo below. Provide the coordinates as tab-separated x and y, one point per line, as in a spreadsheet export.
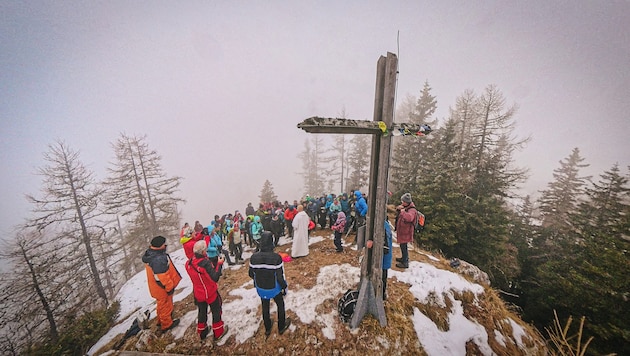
371	285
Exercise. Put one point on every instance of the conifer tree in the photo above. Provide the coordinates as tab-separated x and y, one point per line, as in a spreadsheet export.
141	193
590	275
70	210
39	284
466	175
312	165
358	163
563	193
408	154
267	194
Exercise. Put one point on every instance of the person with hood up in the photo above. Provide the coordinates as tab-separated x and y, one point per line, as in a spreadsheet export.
361	208
406	216
338	227
300	239
267	270
204	275
256	228
162	278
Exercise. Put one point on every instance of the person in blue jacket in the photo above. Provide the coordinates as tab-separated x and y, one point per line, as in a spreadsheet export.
266	268
387	255
361	208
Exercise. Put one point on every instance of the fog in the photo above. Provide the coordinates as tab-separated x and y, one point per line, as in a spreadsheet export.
218	87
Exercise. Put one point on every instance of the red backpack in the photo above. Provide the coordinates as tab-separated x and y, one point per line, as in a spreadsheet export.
419	226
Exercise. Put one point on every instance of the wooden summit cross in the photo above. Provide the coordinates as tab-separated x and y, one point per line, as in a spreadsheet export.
382	128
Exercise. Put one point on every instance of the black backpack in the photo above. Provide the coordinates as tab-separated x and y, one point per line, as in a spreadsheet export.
346	305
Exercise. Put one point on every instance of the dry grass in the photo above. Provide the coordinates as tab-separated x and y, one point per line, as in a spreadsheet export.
398	338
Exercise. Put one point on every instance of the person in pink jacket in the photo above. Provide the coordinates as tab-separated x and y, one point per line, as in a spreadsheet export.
406	216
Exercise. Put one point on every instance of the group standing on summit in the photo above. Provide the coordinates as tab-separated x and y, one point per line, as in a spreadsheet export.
260	231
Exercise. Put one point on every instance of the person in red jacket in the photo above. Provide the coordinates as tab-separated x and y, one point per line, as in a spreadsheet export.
188	243
289	214
204	275
162	277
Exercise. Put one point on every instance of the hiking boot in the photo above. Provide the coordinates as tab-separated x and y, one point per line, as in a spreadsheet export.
267	333
399	259
287	323
175	323
402	265
225	330
204	333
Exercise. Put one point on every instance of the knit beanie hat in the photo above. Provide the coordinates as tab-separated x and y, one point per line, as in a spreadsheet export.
158	241
406	198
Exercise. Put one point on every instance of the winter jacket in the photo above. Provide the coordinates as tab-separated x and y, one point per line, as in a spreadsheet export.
335	207
276	227
340	223
204	276
188	245
215	245
345	206
329	201
387	252
162	276
405	224
256	228
267	269
360	206
289	214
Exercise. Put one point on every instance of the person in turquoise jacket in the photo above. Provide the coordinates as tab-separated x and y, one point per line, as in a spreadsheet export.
257	230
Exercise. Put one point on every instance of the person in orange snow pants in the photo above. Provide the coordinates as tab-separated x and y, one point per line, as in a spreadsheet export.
162	278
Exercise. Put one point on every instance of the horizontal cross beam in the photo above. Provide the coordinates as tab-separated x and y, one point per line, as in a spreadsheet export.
347	126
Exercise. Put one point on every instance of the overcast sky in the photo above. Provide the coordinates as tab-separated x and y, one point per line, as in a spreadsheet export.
219	86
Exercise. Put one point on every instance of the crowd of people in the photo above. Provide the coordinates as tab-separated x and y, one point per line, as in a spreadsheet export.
260	229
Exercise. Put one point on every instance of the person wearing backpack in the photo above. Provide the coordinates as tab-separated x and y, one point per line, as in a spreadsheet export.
406	216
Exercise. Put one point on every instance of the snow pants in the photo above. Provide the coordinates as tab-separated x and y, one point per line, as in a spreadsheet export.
165	311
202	316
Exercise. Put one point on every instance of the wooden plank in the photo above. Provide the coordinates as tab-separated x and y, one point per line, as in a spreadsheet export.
333	125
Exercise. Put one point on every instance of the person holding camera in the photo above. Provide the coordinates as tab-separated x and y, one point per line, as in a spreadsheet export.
204	273
267	270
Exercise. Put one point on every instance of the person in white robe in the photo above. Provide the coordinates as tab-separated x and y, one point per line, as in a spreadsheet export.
300	233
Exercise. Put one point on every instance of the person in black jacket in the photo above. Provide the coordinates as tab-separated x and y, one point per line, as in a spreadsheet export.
267	270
